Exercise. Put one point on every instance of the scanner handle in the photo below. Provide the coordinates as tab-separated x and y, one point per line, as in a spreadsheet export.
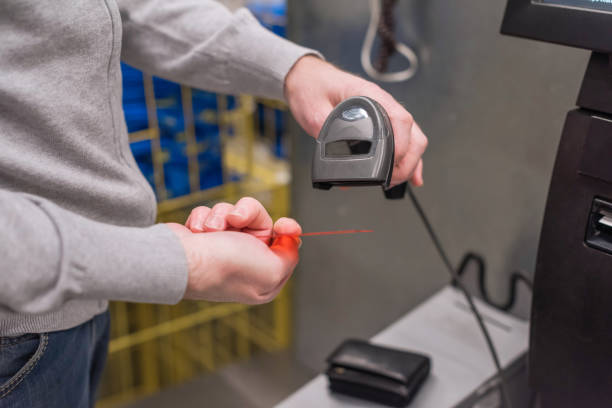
396	192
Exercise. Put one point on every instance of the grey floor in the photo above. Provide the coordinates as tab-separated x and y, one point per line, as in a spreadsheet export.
257	383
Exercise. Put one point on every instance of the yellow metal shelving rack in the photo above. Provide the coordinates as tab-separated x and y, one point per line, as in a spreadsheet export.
155	346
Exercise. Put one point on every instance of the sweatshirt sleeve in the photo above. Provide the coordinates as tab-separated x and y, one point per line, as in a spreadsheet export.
202	44
49	255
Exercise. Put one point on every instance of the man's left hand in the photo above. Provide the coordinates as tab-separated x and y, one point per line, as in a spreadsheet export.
314	87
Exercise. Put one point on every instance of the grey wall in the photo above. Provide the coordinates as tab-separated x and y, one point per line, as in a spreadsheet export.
492	107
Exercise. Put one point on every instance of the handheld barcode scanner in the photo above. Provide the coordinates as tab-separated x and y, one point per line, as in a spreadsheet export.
356	148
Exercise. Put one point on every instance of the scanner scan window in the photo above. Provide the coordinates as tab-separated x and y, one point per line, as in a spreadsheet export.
597	5
343	148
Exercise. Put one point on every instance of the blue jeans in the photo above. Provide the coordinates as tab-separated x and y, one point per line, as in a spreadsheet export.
53	370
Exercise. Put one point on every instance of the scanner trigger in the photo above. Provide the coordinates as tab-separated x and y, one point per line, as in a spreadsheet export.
398	192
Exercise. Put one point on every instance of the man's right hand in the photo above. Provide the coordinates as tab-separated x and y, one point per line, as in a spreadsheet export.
236	260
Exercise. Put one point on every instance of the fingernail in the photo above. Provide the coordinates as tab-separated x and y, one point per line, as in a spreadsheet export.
299	243
215	222
238	213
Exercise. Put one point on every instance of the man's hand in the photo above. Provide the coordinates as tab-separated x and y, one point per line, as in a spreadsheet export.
247	215
233	262
314	87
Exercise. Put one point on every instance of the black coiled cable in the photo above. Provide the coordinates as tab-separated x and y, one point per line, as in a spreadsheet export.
515	278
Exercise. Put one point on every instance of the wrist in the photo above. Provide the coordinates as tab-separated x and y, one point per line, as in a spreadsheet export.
194	259
206	274
299	71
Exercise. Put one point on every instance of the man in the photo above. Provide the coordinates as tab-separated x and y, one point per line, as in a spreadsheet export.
77	214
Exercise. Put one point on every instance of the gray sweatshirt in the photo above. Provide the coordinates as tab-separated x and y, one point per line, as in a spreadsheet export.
76	214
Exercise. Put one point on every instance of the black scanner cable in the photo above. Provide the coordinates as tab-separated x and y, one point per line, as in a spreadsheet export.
468	297
516	277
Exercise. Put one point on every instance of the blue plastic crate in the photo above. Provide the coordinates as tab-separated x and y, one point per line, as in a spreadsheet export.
142	153
172	129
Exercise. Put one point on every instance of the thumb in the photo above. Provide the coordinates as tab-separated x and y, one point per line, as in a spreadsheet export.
323	111
311	114
287	248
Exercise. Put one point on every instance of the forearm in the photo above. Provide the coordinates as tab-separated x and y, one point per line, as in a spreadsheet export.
202	44
50	255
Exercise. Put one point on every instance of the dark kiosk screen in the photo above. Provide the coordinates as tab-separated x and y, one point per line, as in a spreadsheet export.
601	5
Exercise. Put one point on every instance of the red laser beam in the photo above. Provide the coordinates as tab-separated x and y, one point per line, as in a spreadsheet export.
312	234
353	231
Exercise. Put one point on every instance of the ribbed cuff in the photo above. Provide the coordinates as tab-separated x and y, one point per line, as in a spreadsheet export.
70	314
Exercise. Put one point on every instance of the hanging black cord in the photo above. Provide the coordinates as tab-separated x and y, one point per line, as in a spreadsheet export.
386	32
457	281
515	278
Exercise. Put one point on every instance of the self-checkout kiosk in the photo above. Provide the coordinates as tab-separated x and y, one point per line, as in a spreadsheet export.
570	357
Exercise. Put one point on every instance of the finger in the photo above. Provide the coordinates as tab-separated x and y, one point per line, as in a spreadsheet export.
405	131
404	170
401	121
251	216
407	166
417	176
216	219
286	248
195	222
287	226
